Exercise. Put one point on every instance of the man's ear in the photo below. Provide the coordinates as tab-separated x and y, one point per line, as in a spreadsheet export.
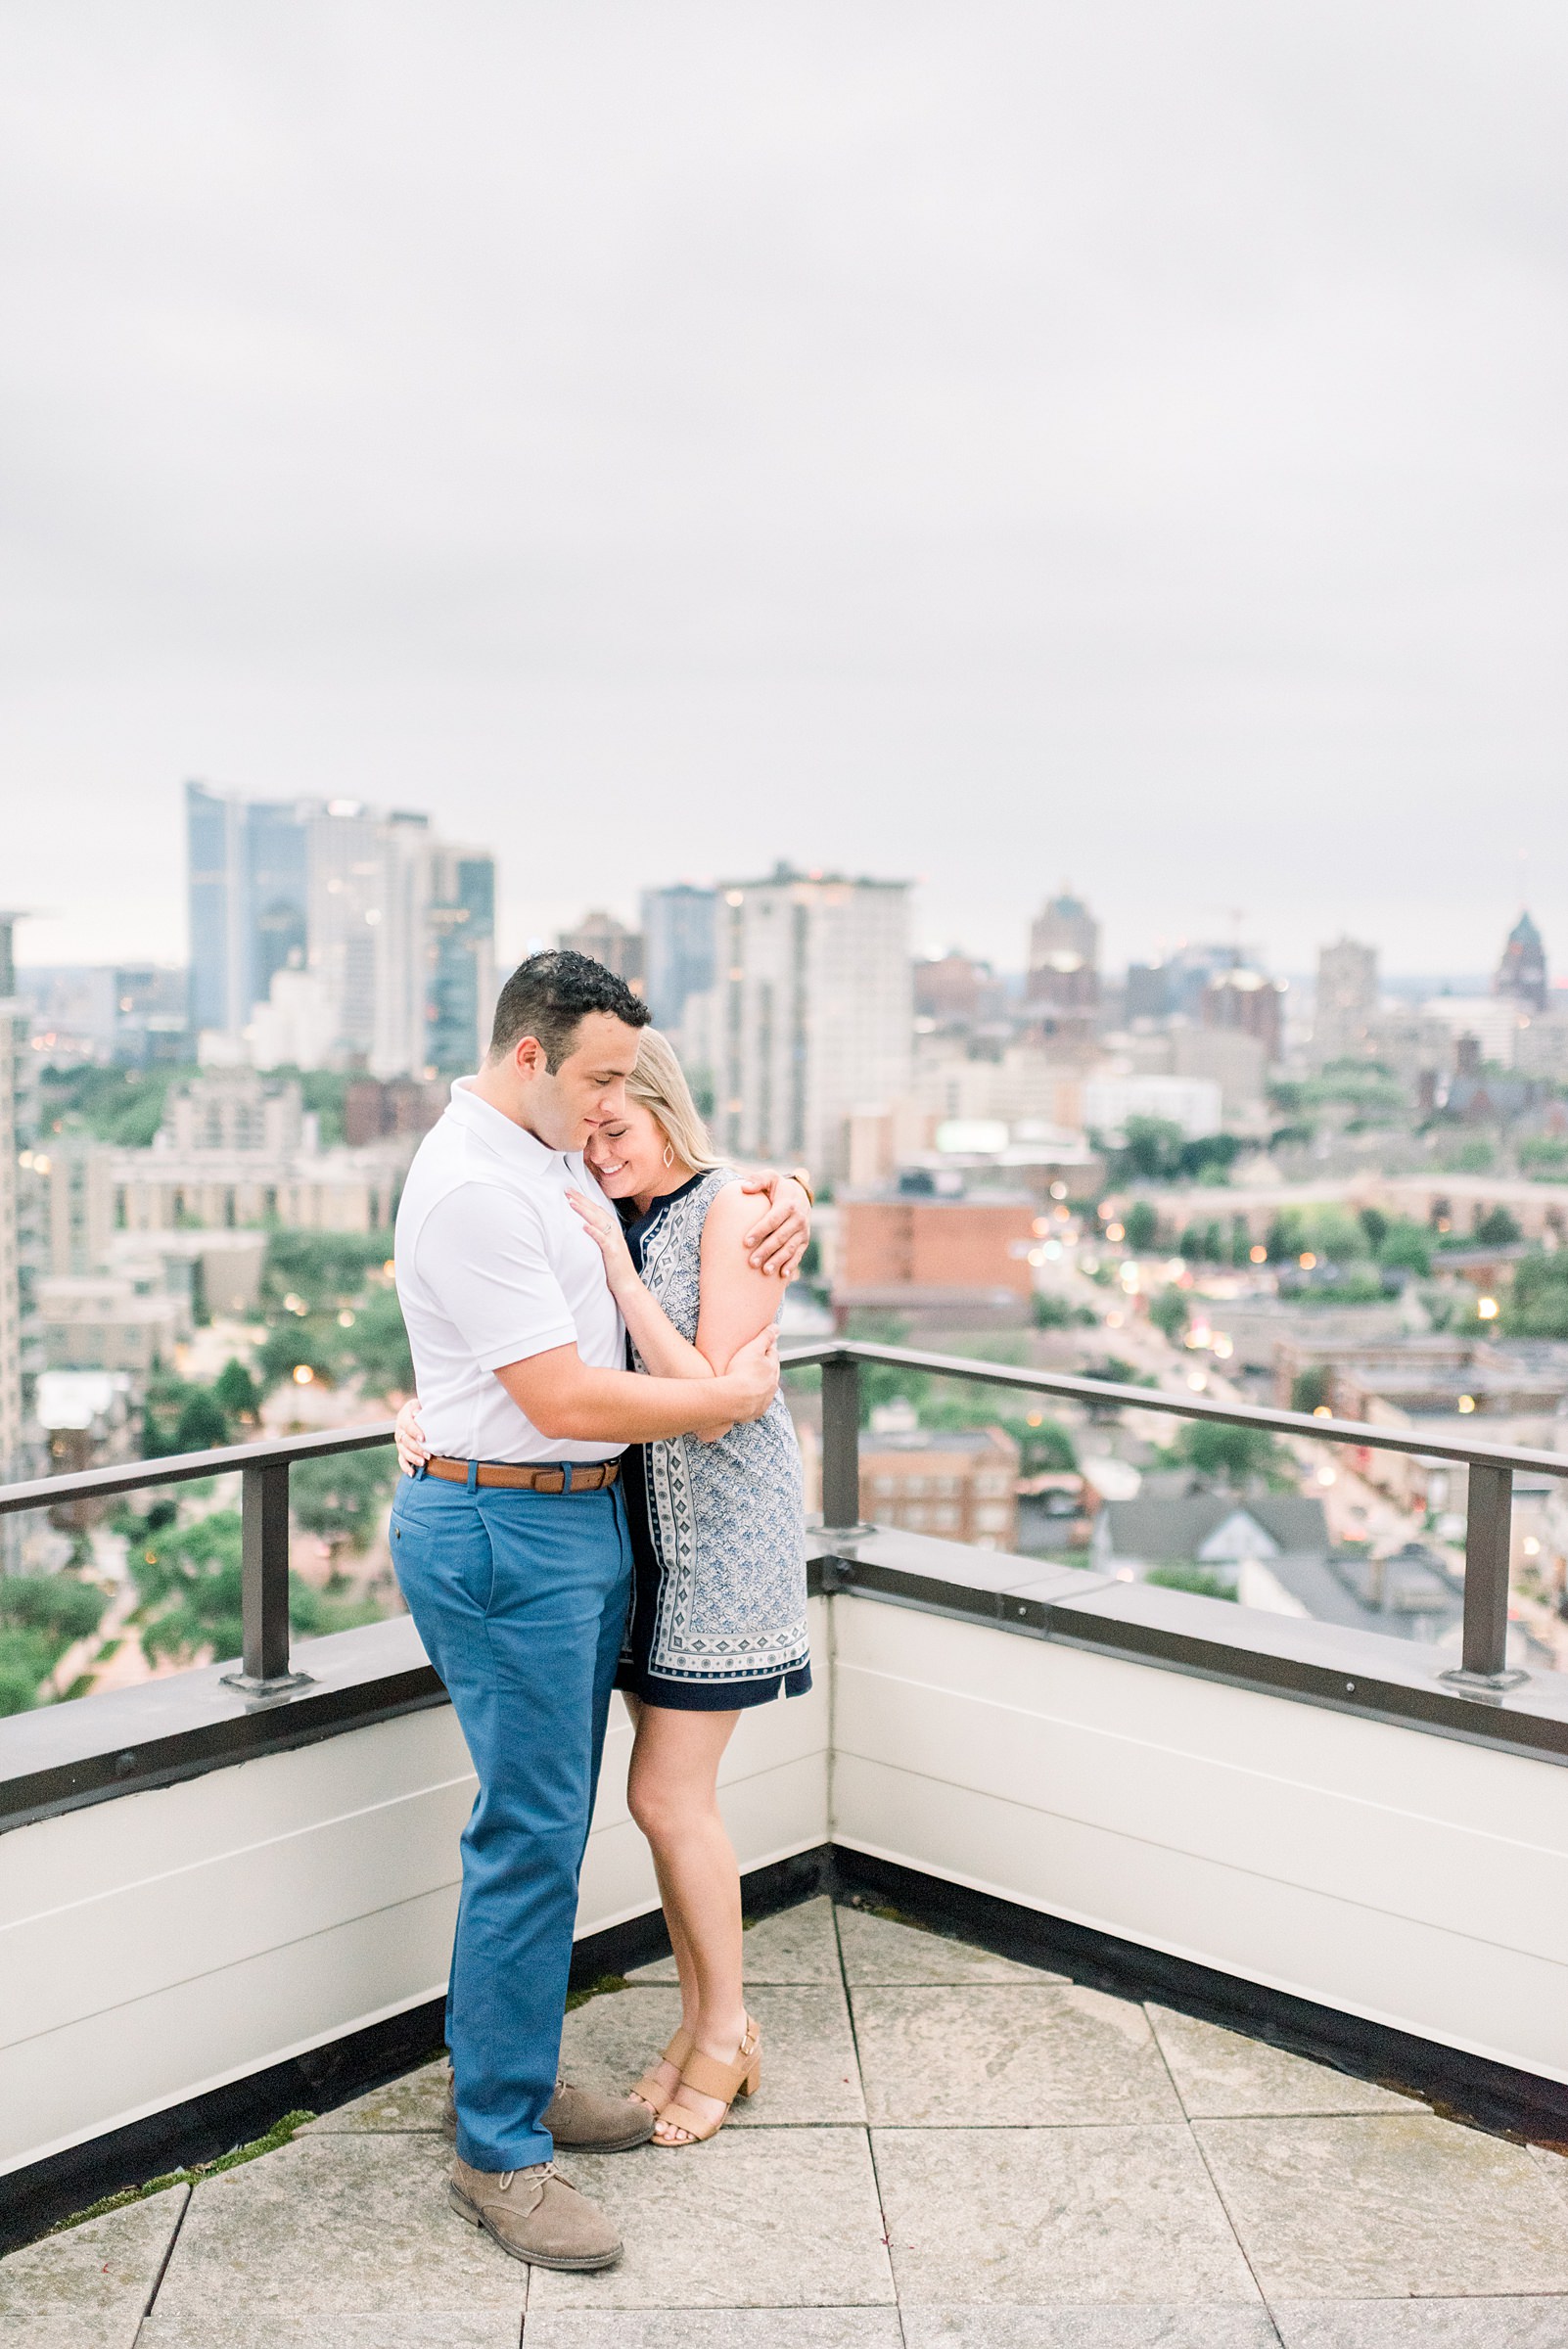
528	1059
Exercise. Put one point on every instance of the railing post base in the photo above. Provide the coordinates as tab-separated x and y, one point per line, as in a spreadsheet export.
1482	1683
283	1686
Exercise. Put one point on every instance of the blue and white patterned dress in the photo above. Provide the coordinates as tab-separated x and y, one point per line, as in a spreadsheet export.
717	1616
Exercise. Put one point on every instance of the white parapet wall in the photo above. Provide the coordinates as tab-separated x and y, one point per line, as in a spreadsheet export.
158	1946
1413	1879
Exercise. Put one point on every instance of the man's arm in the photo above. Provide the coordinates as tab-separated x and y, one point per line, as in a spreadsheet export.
571	1402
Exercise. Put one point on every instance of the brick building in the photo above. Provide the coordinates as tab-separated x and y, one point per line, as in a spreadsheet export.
958	1484
914	1250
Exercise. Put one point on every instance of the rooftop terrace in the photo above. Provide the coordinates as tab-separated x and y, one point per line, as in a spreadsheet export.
950	2148
1151	1852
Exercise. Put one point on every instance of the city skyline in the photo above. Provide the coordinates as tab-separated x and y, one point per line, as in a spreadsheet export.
1215	925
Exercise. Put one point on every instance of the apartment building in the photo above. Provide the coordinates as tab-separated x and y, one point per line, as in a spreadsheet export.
958	1483
814	1013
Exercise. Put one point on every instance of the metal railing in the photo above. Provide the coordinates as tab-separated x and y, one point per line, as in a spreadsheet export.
1484	1666
267	1671
263	1471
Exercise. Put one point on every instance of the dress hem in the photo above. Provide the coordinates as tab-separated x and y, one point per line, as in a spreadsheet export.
713	1697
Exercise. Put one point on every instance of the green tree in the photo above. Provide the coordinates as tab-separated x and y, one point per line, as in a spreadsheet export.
1406	1247
1538	1306
1152	1149
1235	1454
1201	1581
1168	1311
1498	1229
316	1343
26	1658
1308	1389
342	1497
56	1605
203	1423
1143	1226
189	1579
377	1343
236	1393
1046	1448
1050	1312
1472	1157
1375	1224
189	1582
325	1270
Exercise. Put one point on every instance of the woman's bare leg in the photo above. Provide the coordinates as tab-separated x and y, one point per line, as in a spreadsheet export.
667	2075
673	1794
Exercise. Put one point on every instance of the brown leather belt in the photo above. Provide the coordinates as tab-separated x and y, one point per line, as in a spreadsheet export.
591	1476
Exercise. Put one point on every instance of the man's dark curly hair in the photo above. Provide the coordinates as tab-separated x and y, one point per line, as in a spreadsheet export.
548	996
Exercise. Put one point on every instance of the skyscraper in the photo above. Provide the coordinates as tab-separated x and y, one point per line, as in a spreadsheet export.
460	958
1347	1001
679	932
277	892
1064	955
604	939
382	936
246	863
369	877
814	1012
214	833
1522	972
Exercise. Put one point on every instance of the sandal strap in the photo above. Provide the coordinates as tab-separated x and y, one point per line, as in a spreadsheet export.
708	2077
648	2088
681	2116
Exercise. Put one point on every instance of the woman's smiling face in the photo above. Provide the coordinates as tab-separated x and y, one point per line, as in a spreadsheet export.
628	1155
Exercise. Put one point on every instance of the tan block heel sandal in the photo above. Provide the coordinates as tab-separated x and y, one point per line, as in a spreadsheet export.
679	2052
706	2076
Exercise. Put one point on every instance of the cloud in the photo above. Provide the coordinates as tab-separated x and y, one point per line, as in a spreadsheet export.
989	443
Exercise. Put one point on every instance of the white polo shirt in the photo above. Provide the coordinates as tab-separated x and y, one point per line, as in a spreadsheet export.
492	1266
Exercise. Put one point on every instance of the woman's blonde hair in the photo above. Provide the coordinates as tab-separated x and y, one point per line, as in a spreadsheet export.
659	1083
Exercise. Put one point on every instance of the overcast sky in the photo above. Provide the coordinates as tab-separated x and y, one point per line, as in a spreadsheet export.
982	442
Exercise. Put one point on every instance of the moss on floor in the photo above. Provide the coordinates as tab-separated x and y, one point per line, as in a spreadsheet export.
278	2135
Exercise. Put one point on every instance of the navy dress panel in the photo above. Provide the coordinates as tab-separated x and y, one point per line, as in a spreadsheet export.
718	1613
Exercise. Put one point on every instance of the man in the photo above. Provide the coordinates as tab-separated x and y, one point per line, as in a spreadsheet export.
512	1552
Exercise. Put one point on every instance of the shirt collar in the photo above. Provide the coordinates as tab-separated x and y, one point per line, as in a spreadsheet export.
503	1136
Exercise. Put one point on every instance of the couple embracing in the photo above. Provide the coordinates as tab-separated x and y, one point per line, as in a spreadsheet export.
570	1525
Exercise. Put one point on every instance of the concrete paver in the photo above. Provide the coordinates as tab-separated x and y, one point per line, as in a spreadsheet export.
879	1950
1387	2207
1033	2216
757	2218
810	2074
87	2287
794	1945
1032	2181
1220	2075
984	2056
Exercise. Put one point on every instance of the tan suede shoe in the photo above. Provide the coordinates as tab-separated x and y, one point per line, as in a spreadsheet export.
536	2215
580	2117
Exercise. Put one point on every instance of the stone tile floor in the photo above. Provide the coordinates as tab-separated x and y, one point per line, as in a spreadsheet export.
950	2151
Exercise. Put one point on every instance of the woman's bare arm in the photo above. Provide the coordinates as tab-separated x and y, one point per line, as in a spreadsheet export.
662	1347
735	1300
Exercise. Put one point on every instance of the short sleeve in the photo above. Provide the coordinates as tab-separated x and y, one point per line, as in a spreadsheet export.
482	1254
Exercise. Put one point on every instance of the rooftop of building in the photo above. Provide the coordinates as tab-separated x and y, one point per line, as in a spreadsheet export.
950	2146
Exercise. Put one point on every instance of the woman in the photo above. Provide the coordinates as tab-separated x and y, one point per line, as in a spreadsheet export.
718	1618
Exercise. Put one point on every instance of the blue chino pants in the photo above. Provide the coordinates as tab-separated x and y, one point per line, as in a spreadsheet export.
521	1601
